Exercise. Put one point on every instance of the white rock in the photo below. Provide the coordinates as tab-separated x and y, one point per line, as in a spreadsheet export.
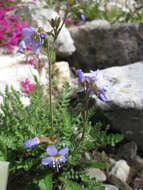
97	174
124	107
13	70
62	74
120	170
25	101
111	187
4	166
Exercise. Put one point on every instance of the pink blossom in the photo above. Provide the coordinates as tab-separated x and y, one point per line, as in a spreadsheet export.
10	27
39	61
31	61
27	87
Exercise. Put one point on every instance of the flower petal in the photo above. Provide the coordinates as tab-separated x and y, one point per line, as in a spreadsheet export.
36	43
27	33
80	75
102	96
47	161
63	151
63	159
51	150
31	142
82	17
22	44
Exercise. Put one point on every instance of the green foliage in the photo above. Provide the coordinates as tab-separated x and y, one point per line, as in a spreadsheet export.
71	181
92	10
95	164
71	185
19	123
46	183
102	138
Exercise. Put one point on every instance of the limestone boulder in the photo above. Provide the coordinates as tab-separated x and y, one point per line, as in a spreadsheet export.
124	108
100	44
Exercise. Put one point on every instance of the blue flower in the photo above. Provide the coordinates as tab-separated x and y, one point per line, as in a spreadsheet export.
55	158
31	37
27	34
22	46
94	82
80	75
31	142
82	17
101	95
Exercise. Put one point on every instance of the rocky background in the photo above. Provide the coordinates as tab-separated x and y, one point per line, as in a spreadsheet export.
117	49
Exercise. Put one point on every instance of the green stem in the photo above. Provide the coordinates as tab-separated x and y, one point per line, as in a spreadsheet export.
85	121
50	62
50	87
85	117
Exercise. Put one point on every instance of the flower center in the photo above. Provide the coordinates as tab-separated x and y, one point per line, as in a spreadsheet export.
38	140
56	157
100	81
35	36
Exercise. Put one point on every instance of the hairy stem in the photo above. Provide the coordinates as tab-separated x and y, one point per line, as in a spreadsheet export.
85	121
50	86
85	117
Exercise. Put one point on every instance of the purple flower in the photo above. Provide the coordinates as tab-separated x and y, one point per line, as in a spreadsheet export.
101	95
55	157
82	17
80	75
95	83
31	37
31	142
27	33
22	46
42	35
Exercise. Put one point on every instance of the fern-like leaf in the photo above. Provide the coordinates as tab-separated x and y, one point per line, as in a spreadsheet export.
46	183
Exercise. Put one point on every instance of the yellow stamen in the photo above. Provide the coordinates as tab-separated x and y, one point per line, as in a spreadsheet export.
38	139
35	36
100	81
56	157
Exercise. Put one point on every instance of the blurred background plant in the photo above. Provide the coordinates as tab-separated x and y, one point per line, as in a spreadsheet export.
10	27
111	11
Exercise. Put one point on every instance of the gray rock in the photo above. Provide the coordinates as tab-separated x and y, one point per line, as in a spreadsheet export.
100	44
128	151
111	187
120	170
97	174
138	183
124	108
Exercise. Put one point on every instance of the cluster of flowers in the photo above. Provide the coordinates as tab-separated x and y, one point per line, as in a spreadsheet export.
93	83
27	86
55	158
10	27
70	22
32	38
32	41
